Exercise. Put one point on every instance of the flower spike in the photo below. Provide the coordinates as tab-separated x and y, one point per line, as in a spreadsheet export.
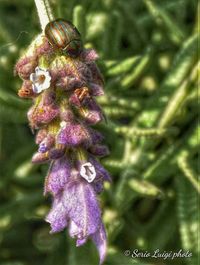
63	83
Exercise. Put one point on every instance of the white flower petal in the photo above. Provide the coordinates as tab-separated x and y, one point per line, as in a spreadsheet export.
46	84
41	79
88	172
37	70
33	77
63	124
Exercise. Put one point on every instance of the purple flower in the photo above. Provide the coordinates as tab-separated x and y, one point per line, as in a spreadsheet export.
76	135
38	114
58	175
69	83
77	206
63	90
67	115
97	90
89	55
91	112
96	74
99	150
101	171
57	152
65	169
25	66
46	144
42	133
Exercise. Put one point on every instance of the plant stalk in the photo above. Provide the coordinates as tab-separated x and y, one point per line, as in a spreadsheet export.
44	12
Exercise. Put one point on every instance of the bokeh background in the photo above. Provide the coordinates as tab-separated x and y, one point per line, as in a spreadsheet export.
148	56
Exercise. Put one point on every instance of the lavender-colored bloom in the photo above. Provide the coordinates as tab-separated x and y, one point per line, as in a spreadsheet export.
93	172
74	100
92	112
39	114
69	83
46	144
57	152
49	97
67	115
78	135
100	241
42	133
58	175
64	107
89	55
57	217
101	171
25	66
96	74
99	150
73	135
97	90
44	48
78	206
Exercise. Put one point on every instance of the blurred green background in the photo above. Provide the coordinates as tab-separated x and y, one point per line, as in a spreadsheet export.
148	56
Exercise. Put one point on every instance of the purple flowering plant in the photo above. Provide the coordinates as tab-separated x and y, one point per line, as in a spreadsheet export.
63	89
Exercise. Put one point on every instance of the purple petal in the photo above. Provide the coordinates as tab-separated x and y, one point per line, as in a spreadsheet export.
89	55
74	100
97	90
98	185
46	144
80	202
80	242
26	66
67	115
56	152
99	150
93	113
57	216
75	231
96	136
101	171
96	74
69	83
41	136
42	114
49	97
44	48
100	241
58	175
74	135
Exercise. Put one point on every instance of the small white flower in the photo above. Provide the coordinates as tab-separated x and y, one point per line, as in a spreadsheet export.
63	124
88	172
41	79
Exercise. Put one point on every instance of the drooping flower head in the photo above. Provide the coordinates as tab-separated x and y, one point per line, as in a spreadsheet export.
62	87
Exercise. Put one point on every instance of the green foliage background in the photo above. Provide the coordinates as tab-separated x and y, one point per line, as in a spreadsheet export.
148	55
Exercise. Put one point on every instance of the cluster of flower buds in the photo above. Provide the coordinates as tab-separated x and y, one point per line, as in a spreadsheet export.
63	91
